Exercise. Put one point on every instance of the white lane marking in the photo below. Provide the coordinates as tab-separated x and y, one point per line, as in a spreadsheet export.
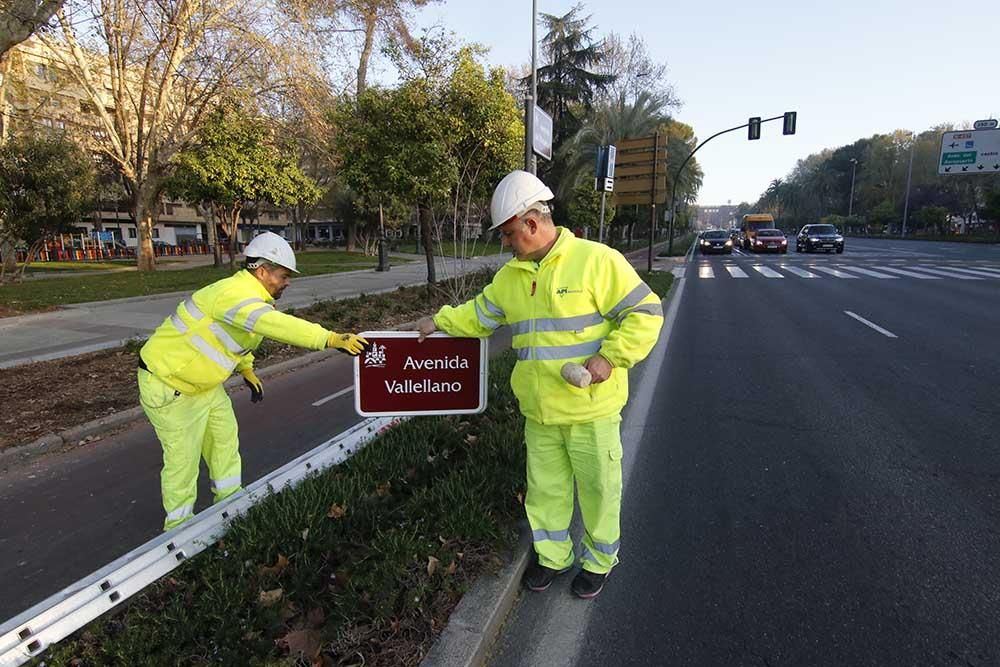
766	271
867	272
802	273
909	274
736	272
942	272
832	272
988	268
327	399
975	272
884	332
705	272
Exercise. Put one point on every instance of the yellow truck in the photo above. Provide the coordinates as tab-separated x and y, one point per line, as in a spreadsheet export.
753	222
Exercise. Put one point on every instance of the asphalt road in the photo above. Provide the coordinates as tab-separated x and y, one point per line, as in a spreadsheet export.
801	488
69	514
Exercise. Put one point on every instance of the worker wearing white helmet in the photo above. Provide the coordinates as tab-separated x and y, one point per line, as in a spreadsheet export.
567	301
183	365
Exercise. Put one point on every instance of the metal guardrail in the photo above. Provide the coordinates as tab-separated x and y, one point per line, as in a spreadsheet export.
28	634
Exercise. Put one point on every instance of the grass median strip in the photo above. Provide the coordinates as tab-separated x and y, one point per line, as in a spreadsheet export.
361	564
658	281
49	396
42	294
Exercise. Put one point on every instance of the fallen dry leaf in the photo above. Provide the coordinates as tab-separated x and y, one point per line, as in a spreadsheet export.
336	512
316	617
301	643
305	534
382	490
268	598
432	565
275	570
471	439
451	569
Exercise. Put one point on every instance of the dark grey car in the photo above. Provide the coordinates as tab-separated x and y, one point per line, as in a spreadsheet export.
819	237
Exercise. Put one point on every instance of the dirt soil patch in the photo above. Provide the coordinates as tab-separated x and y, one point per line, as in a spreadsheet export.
50	396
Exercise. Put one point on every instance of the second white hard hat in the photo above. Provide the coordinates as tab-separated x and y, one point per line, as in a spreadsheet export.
273	248
516	193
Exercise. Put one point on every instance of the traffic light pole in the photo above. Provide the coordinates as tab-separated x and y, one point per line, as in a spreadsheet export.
673	195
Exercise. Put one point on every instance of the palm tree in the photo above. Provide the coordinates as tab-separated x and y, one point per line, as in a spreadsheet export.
608	124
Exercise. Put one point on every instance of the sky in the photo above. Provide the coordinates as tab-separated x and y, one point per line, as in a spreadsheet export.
850	69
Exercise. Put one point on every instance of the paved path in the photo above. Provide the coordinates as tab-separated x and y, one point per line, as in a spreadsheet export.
88	327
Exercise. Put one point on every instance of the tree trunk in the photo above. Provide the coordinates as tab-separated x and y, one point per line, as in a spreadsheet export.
428	238
234	222
147	213
366	50
9	258
211	234
352	235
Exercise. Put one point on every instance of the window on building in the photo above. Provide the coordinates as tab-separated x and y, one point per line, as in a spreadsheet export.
45	122
169	208
131	232
59	124
41	71
156	233
87	107
272	215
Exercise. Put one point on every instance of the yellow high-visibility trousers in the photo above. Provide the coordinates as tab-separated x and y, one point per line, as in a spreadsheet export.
191	427
591	455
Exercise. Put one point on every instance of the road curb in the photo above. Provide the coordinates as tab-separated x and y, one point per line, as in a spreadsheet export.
96	428
476	622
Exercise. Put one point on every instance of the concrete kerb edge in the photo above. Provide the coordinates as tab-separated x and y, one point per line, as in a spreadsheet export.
475	624
76	435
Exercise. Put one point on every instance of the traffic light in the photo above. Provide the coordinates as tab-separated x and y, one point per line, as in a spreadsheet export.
753	132
790	118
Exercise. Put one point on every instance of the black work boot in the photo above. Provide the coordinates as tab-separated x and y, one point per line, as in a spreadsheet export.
538	577
587	585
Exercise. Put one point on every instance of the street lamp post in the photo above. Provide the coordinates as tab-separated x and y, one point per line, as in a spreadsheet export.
850	203
909	177
529	104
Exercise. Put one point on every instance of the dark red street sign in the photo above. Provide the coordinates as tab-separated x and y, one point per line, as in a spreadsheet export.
398	375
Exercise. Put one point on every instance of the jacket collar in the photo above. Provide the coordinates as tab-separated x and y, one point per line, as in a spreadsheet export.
254	284
563	241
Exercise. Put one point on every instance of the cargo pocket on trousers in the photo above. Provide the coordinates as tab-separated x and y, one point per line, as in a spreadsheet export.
156	394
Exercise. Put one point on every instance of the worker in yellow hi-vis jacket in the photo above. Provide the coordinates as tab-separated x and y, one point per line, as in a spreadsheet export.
183	366
567	301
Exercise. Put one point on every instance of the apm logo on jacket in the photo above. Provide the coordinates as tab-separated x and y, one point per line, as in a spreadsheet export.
563	291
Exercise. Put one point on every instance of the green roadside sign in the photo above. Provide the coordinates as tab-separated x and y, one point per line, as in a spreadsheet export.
962	157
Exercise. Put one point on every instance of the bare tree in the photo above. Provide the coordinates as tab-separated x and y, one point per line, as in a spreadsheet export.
20	19
151	70
635	71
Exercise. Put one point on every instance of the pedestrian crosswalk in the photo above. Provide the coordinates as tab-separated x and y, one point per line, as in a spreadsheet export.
780	270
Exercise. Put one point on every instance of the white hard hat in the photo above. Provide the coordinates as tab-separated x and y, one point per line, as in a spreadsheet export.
273	248
517	193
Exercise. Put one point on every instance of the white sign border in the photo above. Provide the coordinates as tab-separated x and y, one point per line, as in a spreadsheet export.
484	360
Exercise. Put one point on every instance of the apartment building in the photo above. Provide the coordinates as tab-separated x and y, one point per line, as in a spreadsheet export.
40	93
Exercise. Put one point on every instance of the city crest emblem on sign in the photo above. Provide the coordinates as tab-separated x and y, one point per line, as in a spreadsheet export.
375	356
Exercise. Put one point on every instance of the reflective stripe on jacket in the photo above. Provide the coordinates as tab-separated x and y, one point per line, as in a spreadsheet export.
212	333
581	299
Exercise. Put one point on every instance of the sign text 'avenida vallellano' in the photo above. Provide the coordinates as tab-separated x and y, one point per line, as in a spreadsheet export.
399	375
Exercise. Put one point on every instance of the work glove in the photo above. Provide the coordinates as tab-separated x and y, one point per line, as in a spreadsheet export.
256	386
351	344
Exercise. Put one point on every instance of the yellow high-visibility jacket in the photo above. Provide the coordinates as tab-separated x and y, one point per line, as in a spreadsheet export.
213	332
581	299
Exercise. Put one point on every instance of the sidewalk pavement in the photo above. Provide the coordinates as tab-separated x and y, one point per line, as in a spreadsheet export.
89	327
